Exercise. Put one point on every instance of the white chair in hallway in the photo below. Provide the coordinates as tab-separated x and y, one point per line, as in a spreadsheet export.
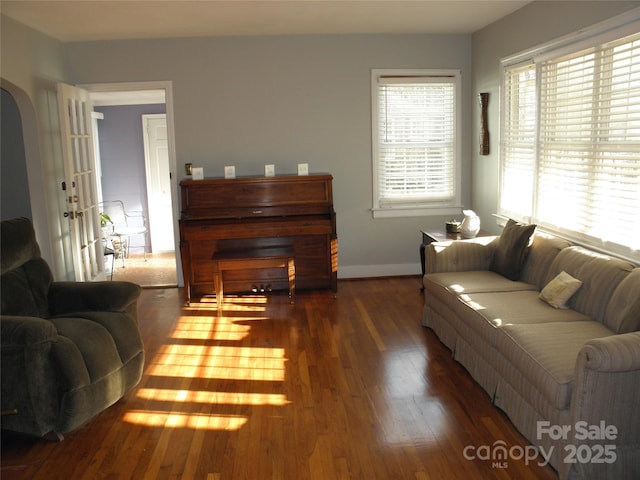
124	225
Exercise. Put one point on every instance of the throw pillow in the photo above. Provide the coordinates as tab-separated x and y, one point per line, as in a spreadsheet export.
512	249
559	290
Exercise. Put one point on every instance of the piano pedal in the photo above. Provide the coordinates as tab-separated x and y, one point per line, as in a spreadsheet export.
261	288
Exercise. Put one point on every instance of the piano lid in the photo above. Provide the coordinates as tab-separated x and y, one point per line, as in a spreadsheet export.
257	196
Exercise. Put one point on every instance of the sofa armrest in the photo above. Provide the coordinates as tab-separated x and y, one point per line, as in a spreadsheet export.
607	392
460	255
70	297
617	353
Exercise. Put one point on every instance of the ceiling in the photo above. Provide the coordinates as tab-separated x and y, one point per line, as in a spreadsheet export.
87	20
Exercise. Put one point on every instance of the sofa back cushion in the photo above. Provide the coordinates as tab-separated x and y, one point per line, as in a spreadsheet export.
542	253
26	277
18	244
623	310
25	290
600	275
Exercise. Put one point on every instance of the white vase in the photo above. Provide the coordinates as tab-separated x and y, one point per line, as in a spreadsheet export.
470	224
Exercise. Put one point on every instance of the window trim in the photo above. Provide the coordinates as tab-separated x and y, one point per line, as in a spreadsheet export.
413	209
621	25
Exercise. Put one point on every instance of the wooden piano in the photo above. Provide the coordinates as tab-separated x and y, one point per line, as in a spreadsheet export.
289	211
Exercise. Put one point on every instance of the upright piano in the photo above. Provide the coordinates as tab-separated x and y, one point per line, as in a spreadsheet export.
289	211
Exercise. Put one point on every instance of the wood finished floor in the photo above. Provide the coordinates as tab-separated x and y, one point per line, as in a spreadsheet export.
346	388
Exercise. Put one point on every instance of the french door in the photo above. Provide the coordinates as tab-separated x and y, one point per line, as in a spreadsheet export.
81	196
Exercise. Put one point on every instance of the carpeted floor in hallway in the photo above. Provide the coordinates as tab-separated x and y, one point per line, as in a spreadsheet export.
158	270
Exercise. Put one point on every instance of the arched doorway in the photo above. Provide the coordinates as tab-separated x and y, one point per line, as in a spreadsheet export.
30	164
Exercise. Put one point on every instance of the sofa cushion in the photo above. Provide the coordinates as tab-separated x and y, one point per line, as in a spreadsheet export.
474	282
24	290
559	290
122	328
543	251
18	244
26	277
487	312
511	251
447	286
600	275
623	310
545	354
95	344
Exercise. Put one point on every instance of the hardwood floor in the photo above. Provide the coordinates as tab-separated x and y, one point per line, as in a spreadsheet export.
352	387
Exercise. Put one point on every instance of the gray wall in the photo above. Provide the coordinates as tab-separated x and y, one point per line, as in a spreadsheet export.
535	24
122	156
250	101
254	100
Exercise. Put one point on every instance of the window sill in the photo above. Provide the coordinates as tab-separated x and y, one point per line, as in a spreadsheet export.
415	211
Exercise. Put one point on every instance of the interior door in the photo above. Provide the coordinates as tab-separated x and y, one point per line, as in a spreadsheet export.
81	196
158	182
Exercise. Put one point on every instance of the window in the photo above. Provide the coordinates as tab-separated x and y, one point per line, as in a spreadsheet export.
570	143
415	116
518	141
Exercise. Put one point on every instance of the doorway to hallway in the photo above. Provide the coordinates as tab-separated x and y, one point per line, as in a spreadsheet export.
136	156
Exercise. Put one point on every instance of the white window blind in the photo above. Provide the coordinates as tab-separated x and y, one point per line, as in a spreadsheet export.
415	141
571	144
589	171
518	141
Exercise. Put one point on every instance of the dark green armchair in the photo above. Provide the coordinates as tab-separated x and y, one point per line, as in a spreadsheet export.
68	350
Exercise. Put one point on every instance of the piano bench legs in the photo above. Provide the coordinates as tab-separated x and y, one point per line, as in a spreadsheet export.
253	259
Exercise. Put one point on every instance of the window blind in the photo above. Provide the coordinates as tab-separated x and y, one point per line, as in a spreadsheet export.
589	156
416	140
570	146
518	141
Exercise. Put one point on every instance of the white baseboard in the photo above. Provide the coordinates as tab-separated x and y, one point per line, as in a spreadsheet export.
367	271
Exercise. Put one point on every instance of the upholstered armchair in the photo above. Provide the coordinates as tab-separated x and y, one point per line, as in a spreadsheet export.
68	350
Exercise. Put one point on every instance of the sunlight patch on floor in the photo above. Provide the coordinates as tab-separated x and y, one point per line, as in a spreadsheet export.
208	398
192	421
207	346
221	362
211	328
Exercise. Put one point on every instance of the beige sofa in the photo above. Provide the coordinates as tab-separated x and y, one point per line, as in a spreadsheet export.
560	374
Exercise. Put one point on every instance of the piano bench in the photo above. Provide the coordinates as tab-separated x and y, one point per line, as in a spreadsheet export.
253	258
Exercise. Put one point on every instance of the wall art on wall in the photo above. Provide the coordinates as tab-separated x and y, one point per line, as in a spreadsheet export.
483	98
